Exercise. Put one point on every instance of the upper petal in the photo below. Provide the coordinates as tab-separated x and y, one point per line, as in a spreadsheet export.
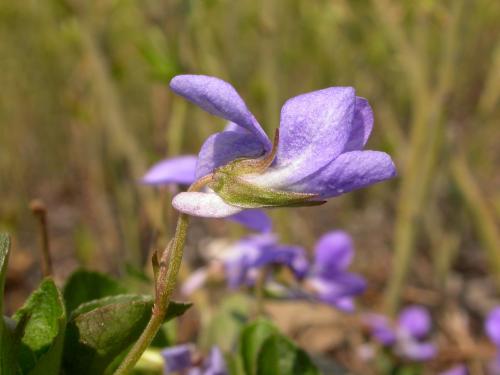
218	98
492	325
221	148
350	171
177	170
415	320
333	253
362	125
254	219
203	204
314	129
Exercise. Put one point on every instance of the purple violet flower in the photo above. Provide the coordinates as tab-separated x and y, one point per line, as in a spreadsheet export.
406	336
329	278
492	328
318	154
181	358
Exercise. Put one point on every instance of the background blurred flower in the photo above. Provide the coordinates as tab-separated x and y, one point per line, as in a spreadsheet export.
406	335
329	278
319	152
243	260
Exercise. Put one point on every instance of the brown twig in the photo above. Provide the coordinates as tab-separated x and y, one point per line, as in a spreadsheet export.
40	211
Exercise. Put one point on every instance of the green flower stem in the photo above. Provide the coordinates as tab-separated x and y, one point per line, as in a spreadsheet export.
170	265
167	277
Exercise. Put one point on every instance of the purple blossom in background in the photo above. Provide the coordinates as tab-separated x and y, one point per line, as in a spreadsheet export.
406	337
255	252
329	278
242	261
492	328
181	171
319	154
180	358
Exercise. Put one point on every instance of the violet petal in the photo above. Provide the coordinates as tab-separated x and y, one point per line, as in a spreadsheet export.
177	170
362	125
415	320
203	204
381	328
314	129
350	171
178	358
218	98
343	285
221	148
457	370
345	304
492	326
215	363
254	219
417	351
333	253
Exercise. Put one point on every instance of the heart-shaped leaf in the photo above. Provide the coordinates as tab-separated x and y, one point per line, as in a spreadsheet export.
84	286
104	329
42	341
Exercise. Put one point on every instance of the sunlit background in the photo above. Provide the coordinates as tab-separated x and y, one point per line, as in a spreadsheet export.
85	109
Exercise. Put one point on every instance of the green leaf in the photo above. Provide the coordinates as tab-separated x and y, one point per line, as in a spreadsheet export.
252	338
83	286
102	330
7	339
4	259
265	351
279	356
42	341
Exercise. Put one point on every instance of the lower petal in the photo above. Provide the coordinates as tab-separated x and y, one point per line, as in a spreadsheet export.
203	205
350	171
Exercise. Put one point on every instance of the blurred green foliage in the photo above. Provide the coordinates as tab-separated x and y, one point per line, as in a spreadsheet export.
85	108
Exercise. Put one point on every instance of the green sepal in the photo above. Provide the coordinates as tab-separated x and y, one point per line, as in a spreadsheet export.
238	192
